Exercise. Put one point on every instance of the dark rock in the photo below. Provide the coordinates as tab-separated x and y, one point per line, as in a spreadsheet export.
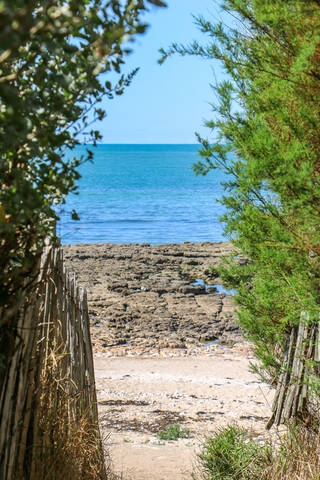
194	290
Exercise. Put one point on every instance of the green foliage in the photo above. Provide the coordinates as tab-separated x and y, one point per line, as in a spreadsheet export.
173	432
266	136
231	455
52	57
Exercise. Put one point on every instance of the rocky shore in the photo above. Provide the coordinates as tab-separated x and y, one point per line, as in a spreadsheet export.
154	296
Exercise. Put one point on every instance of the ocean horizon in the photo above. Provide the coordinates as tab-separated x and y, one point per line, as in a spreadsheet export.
143	193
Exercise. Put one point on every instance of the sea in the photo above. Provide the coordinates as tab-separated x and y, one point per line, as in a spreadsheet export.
143	194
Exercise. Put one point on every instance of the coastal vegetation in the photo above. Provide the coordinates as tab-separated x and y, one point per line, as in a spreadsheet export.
53	57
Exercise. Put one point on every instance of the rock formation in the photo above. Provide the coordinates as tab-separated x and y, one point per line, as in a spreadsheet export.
154	295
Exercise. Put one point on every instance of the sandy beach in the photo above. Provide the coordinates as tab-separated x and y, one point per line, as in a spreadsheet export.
139	396
167	351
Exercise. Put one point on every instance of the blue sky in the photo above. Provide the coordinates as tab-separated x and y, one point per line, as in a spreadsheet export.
168	103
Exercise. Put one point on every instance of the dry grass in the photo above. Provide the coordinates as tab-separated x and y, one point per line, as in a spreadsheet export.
69	445
49	417
298	457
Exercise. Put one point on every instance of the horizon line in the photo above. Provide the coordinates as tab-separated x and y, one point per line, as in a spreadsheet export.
101	143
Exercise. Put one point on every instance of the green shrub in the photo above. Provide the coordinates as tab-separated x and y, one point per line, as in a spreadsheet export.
173	432
231	455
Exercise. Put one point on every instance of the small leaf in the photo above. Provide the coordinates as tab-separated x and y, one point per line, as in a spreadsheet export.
74	215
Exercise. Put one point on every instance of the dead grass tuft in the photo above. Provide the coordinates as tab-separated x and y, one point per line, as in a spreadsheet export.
298	456
67	441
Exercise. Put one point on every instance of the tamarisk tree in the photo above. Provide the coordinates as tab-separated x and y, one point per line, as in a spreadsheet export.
267	138
52	57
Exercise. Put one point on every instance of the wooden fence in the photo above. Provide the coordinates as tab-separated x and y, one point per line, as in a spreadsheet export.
48	408
300	366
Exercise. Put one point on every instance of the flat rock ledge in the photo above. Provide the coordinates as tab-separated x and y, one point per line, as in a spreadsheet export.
144	296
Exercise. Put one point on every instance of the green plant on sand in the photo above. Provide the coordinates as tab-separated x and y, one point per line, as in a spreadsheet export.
173	432
231	455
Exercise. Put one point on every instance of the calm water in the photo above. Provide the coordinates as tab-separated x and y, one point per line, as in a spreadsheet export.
143	193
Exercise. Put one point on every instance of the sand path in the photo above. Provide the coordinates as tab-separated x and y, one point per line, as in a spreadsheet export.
138	396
